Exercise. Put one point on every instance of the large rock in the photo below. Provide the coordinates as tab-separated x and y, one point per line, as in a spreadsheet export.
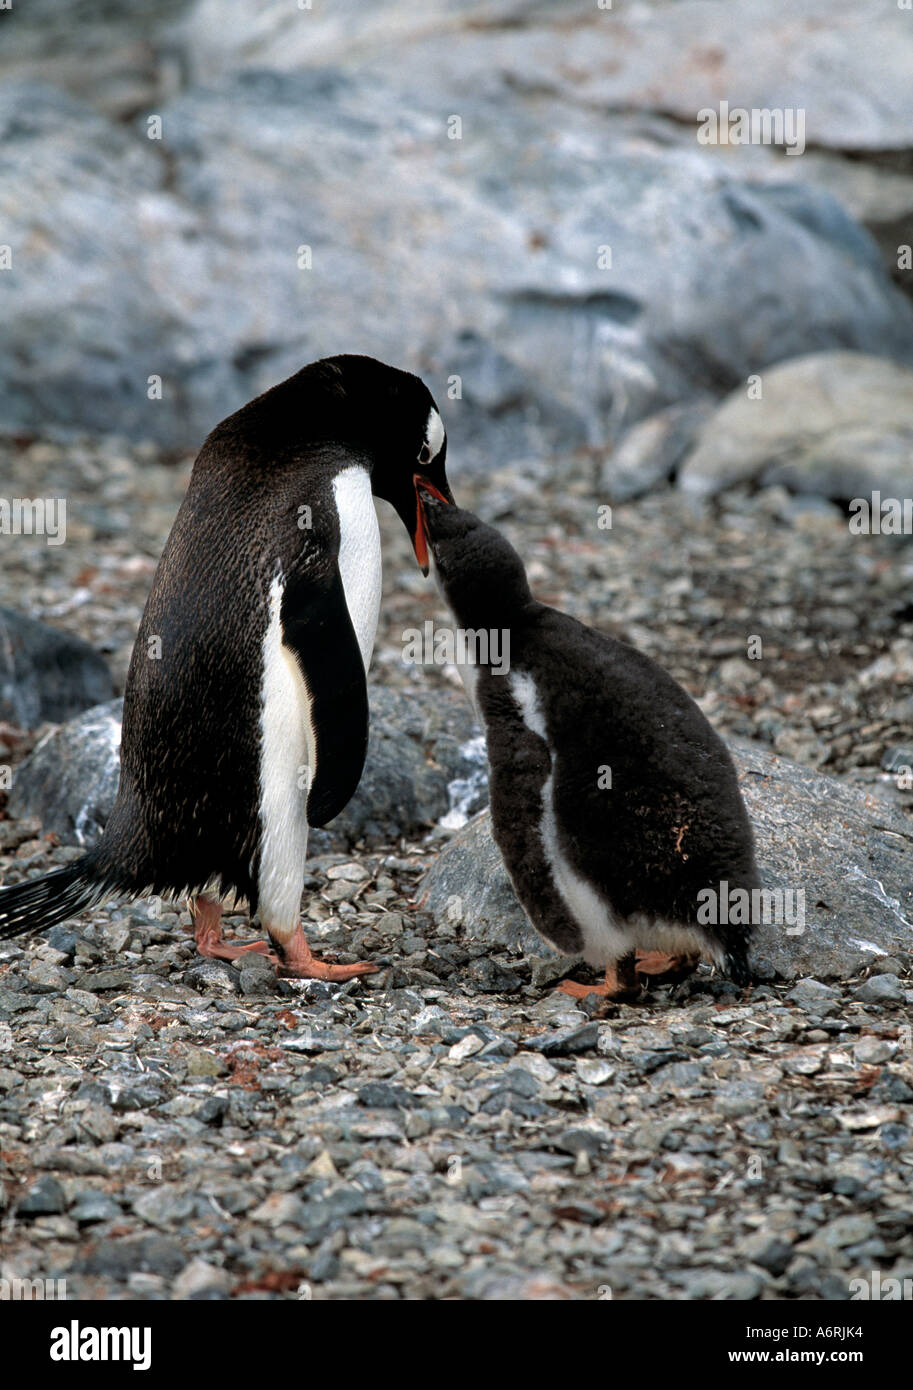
847	66
651	450
179	258
419	747
114	53
837	424
45	674
69	781
850	854
418	750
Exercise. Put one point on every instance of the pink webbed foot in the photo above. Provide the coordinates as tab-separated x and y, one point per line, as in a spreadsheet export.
670	967
207	933
299	962
620	983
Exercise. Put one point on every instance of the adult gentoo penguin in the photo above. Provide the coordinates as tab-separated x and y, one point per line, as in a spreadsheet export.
246	707
614	804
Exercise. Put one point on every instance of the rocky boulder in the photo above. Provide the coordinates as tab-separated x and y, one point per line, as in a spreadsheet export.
419	746
552	301
848	853
46	675
69	780
835	424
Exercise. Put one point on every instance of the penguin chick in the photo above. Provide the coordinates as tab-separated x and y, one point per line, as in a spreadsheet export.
246	706
614	804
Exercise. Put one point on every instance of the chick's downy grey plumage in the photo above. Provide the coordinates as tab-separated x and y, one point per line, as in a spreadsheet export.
614	804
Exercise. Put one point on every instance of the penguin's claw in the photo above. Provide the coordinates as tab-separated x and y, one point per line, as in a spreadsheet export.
658	963
207	934
620	983
231	950
623	980
578	991
300	963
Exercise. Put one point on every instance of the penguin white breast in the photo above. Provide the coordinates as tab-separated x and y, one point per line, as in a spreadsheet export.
359	554
604	939
287	769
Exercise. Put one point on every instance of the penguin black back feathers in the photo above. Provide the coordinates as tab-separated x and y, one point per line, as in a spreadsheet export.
245	709
614	804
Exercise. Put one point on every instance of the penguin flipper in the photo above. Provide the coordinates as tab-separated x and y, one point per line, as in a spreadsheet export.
317	629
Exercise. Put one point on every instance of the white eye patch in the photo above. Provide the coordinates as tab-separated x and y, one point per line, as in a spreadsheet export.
434	433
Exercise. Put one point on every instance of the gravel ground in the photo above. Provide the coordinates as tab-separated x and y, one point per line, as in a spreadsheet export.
451	1128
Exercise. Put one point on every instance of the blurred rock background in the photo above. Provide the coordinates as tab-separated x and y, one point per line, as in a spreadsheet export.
714	341
331	128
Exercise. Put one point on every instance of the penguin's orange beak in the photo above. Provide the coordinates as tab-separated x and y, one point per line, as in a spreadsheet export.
420	540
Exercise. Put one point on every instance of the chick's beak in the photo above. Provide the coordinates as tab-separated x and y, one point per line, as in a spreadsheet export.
420	539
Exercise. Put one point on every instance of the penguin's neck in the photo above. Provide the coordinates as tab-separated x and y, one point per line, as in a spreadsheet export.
489	610
359	553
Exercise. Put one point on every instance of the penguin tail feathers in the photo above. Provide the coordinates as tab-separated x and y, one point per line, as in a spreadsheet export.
41	903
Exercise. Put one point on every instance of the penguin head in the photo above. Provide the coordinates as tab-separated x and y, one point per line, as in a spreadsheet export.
480	575
355	404
407	441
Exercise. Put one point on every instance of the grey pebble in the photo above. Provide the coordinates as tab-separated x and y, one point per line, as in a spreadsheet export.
45	1197
880	989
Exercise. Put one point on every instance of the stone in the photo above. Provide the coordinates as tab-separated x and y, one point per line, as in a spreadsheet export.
47	675
880	989
257	975
212	975
106	979
69	780
45	977
852	66
593	1071
118	1258
488	977
164	1206
837	424
92	1205
553	348
467	1047
767	1250
45	1197
814	996
279	1209
382	1095
577	1141
567	1042
848	854
203	1063
212	1110
201	1281
650	451
846	1230
64	940
871	1052
416	749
